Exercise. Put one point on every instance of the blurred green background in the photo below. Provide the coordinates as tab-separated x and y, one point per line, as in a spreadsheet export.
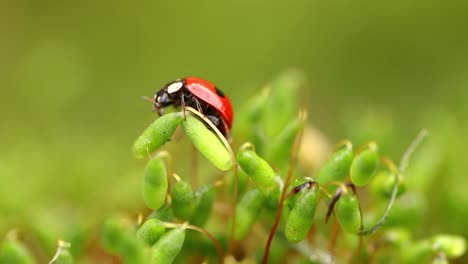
72	73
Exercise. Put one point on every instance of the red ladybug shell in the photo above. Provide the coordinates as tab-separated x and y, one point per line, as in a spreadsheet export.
207	92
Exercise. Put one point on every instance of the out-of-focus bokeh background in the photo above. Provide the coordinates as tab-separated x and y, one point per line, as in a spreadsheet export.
72	73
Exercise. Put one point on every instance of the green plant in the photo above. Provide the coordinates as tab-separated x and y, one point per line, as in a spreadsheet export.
260	204
277	136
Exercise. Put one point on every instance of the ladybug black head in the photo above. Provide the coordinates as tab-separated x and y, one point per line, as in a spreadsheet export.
168	95
161	100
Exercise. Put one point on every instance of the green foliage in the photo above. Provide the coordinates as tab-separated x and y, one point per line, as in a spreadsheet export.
348	212
204	199
167	248
13	251
301	216
247	212
119	237
258	170
263	201
183	200
452	246
382	184
337	166
278	152
150	231
155	183
207	143
274	134
364	166
158	133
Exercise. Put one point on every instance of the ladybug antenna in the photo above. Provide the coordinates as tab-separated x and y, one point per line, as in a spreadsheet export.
148	99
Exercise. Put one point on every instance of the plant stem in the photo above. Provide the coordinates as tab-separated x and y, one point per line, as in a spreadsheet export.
216	243
334	237
401	169
405	159
292	163
60	246
176	177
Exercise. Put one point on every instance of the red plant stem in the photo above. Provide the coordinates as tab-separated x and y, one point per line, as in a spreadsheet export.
292	163
216	243
334	237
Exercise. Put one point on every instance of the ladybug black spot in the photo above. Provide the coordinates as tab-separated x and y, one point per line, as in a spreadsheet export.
219	92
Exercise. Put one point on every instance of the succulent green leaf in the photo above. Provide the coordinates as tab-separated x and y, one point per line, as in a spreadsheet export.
280	148
348	213
207	143
150	231
364	166
282	101
164	214
258	170
382	184
337	166
155	183
158	133
183	200
204	204
168	246
301	217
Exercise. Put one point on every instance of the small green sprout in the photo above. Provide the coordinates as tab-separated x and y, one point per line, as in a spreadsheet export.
280	148
382	184
155	183
168	246
337	166
204	199
257	168
347	209
207	143
183	200
364	165
301	217
150	231
157	134
348	213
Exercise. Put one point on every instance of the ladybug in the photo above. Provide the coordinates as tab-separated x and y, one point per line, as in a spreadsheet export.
199	94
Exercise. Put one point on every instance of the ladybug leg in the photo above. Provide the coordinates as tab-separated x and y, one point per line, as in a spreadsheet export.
182	103
213	119
197	103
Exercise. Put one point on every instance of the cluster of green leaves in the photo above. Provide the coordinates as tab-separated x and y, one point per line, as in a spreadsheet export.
268	162
14	251
263	195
